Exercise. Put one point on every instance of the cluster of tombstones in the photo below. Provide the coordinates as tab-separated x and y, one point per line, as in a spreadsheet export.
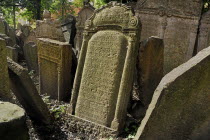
108	63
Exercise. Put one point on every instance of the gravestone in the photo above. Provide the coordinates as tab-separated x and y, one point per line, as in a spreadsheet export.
31	37
49	28
54	60
31	56
4	79
85	13
27	94
149	72
176	22
12	53
8	31
12	122
105	71
69	29
180	105
204	34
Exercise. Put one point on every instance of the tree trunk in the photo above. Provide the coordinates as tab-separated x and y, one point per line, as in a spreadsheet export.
38	11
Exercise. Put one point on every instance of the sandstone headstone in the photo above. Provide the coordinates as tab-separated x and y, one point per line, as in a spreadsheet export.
85	13
54	60
12	53
181	103
49	28
8	31
12	122
106	66
27	94
176	22
4	80
204	34
69	29
149	71
31	37
31	56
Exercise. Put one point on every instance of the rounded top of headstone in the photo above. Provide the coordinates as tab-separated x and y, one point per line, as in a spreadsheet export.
46	14
10	112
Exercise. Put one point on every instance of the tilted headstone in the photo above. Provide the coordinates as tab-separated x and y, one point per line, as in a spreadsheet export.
149	71
31	56
4	79
12	122
105	71
204	34
54	60
69	29
85	13
49	28
176	22
31	37
12	53
8	31
27	94
181	103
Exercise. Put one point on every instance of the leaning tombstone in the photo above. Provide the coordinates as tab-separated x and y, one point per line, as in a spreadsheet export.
31	56
4	78
85	13
12	122
12	53
149	72
105	72
27	94
54	60
180	105
69	29
174	21
204	34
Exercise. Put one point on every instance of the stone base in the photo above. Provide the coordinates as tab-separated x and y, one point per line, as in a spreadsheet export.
90	129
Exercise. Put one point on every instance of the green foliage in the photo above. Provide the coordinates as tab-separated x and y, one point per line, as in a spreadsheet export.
58	111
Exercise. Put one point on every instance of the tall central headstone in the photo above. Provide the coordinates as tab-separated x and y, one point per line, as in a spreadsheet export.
176	22
106	66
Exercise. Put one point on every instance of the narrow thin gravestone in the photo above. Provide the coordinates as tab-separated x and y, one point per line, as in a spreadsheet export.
12	53
149	71
180	105
27	94
204	34
69	29
54	60
85	13
176	22
31	56
4	78
105	72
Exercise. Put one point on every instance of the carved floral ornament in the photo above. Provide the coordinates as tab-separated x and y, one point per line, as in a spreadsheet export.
108	15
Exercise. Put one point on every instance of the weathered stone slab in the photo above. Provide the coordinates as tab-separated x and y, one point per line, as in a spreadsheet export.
204	34
12	53
49	28
4	79
27	94
31	56
149	71
12	122
176	22
181	103
105	72
85	13
69	29
9	31
54	59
